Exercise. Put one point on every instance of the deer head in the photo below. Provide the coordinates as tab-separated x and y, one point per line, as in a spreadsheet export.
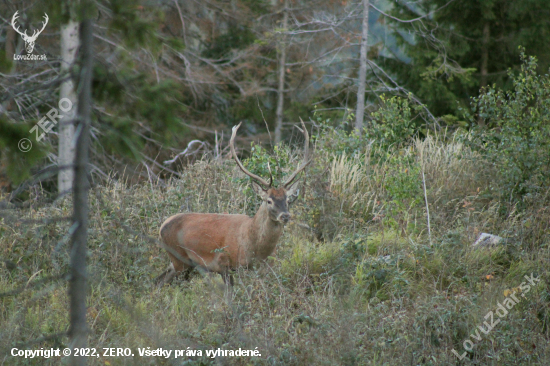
29	40
277	200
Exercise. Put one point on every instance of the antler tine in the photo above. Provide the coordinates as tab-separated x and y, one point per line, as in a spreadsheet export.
270	174
13	19
44	23
263	182
306	156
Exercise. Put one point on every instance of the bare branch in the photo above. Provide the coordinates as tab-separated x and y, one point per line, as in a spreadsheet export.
411	20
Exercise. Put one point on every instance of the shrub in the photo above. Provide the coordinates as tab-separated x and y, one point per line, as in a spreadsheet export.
393	123
516	134
403	186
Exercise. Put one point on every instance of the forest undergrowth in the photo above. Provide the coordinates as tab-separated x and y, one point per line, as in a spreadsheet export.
357	279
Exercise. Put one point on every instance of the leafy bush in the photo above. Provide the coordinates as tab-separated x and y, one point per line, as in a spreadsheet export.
516	134
403	185
393	123
337	139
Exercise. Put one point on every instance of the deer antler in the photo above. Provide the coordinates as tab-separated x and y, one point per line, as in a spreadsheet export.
25	36
36	33
270	174
263	182
13	19
306	156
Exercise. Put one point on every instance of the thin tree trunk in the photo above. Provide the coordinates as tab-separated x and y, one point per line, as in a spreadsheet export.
10	51
484	55
280	91
10	45
78	330
360	112
69	46
484	63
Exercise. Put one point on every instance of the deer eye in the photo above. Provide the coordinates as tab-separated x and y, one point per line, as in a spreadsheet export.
269	201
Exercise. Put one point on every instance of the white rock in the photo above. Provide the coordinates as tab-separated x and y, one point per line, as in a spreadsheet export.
487	240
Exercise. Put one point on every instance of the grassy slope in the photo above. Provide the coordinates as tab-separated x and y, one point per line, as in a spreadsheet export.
373	291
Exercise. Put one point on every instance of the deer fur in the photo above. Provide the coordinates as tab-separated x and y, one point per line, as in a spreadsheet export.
222	242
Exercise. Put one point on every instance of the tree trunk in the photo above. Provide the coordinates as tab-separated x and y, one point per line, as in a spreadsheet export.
10	45
484	63
484	55
69	46
78	330
280	91
10	52
360	112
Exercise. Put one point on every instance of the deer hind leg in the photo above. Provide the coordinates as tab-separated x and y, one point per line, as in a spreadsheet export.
166	276
175	268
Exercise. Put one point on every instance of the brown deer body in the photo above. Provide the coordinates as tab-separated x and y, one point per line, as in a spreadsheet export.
222	242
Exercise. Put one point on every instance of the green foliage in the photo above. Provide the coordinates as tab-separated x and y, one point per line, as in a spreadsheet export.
336	260
162	115
237	37
119	137
517	135
354	188
257	6
339	139
261	162
403	185
404	182
394	123
139	108
248	110
108	86
374	276
6	64
444	59
133	100
18	162
127	18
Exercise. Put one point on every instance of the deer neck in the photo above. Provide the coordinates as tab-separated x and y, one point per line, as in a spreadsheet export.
264	233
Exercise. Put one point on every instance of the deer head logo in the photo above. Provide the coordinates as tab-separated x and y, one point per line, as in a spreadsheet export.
29	40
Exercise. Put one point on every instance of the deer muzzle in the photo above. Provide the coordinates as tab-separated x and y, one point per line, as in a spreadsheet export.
284	217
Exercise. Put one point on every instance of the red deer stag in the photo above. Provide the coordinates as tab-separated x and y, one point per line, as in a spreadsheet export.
222	242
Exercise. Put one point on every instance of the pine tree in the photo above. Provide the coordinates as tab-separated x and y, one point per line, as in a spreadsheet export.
466	45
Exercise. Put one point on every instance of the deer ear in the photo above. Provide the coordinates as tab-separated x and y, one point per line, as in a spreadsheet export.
292	193
259	190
